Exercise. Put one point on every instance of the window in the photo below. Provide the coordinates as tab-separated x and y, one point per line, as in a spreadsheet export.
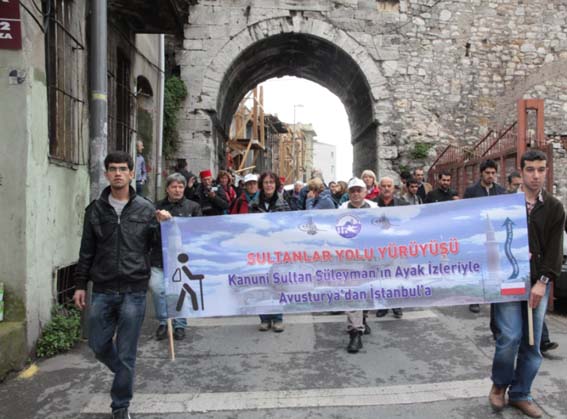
66	82
123	103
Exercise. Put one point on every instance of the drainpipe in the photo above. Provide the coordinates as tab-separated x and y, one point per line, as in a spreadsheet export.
98	68
161	88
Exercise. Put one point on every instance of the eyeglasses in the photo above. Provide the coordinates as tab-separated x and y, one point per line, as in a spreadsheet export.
115	169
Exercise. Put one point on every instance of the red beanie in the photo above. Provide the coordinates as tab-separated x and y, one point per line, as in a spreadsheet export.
205	173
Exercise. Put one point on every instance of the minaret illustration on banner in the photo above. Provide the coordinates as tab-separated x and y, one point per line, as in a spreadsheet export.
492	253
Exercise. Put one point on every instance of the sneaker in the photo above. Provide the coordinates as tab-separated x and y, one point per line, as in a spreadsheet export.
398	313
264	326
527	407
179	333
548	346
278	326
381	313
474	308
367	329
161	332
121	414
355	343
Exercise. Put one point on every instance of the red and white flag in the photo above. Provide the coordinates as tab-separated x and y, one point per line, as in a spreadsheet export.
513	288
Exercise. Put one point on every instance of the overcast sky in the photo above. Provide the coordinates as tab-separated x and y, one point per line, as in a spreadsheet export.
320	108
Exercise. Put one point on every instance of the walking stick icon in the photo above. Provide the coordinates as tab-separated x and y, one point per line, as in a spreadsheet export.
184	258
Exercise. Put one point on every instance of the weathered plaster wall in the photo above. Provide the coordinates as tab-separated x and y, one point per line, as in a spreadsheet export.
42	204
439	71
13	152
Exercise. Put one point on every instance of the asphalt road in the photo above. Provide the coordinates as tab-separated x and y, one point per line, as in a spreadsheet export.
431	363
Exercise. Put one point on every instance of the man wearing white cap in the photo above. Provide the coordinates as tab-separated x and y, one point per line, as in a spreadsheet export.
240	205
355	319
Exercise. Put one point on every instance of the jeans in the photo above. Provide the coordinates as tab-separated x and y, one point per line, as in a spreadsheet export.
157	286
123	314
271	318
139	188
545	334
516	363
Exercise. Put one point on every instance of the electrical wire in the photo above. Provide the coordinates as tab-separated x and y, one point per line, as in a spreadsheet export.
33	16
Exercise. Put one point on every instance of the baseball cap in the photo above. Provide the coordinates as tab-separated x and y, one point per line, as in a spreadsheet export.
250	177
354	182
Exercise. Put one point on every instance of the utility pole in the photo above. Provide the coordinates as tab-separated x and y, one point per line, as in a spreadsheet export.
98	96
293	140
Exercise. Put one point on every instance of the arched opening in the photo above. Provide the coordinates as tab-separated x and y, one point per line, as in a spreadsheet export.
307	57
146	126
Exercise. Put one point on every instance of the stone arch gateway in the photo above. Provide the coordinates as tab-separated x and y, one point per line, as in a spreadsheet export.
220	69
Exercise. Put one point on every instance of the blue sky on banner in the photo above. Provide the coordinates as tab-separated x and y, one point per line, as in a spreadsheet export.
219	245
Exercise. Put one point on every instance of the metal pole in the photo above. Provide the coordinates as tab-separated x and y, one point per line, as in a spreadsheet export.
98	67
160	124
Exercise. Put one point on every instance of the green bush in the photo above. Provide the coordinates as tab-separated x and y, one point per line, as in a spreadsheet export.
61	333
175	93
420	150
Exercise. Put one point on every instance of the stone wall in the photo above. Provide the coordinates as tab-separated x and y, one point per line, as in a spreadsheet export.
438	72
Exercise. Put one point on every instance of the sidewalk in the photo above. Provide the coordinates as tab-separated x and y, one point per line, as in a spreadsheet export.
432	363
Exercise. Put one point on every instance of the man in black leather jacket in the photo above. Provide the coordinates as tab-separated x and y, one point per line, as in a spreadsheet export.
117	235
176	205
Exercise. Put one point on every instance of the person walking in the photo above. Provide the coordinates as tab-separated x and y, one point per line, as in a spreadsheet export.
117	235
268	200
141	170
178	206
486	186
356	325
516	362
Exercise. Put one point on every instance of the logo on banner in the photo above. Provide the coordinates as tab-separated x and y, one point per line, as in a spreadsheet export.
348	226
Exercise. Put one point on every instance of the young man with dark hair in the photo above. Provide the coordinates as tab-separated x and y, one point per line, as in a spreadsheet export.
117	235
486	186
514	182
443	192
516	363
411	196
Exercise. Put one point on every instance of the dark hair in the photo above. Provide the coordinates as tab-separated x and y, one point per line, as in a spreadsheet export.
405	175
118	157
416	169
488	164
444	173
532	155
181	164
411	181
513	175
273	176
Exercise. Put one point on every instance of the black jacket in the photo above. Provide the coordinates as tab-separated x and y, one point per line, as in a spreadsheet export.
210	206
183	208
115	251
275	204
395	202
546	223
439	195
478	191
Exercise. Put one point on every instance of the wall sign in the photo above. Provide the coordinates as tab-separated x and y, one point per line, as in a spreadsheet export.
10	25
